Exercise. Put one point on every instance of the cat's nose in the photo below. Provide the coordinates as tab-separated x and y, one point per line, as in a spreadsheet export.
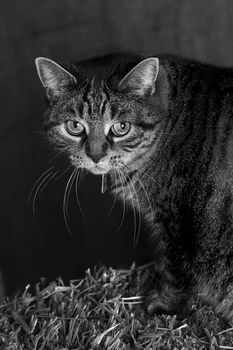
96	150
95	157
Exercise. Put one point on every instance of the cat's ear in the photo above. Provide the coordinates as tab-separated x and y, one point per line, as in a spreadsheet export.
55	79
141	79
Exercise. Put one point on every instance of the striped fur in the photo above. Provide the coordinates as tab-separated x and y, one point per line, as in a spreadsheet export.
175	167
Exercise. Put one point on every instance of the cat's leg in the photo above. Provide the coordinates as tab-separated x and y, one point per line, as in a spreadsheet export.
169	297
219	293
172	289
224	307
214	274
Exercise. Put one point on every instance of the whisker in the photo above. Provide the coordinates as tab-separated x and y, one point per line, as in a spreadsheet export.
147	196
37	181
49	180
70	187
66	199
55	157
151	178
38	189
142	186
124	202
147	175
61	174
76	192
59	153
115	198
133	206
155	182
82	174
137	232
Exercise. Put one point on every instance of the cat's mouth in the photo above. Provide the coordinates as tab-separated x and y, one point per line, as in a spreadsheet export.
99	170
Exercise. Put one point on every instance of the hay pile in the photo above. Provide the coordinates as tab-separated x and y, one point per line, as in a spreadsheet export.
104	311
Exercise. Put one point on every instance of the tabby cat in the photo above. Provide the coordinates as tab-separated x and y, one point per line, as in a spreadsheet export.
160	133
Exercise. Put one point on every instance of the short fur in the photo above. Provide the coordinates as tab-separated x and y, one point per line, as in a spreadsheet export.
176	166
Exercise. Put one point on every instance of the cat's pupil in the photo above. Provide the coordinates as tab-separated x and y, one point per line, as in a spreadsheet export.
123	125
75	124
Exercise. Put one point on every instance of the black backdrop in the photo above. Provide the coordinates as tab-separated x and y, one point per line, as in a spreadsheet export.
33	246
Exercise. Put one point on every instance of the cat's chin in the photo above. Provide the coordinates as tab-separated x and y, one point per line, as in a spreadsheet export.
97	170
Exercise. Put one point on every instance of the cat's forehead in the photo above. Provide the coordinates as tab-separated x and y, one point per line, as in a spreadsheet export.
97	102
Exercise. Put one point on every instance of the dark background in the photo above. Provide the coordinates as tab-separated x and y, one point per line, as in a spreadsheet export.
40	245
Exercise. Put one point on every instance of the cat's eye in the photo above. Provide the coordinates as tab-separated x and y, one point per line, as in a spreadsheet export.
121	128
74	128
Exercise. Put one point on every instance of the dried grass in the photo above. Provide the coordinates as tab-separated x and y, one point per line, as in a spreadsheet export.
104	311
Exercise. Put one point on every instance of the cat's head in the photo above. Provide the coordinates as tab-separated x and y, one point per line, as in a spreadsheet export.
104	124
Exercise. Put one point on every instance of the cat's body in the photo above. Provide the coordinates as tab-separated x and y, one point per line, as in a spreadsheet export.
171	158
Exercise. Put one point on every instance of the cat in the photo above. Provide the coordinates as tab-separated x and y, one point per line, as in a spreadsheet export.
159	130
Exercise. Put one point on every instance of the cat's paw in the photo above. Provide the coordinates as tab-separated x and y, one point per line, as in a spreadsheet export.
163	304
155	305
